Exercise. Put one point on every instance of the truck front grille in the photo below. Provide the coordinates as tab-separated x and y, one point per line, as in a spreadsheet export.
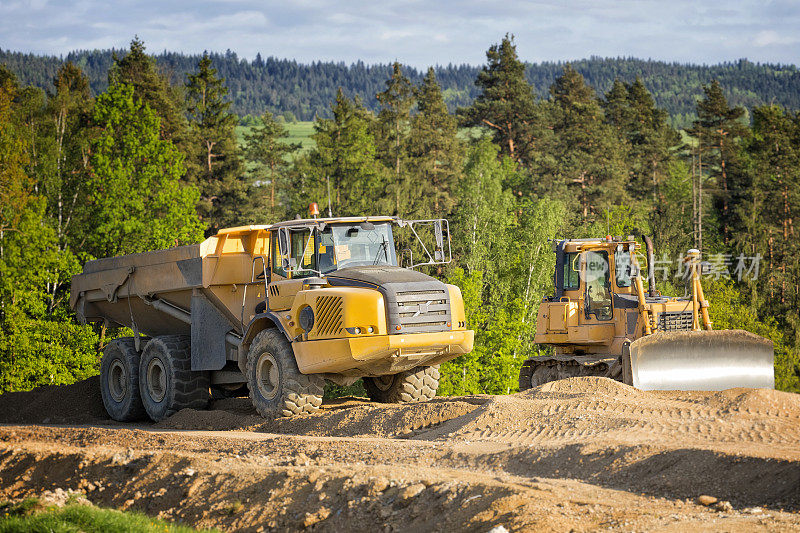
421	311
675	321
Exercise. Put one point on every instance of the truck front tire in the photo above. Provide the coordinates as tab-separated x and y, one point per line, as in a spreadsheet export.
416	385
277	388
119	381
167	383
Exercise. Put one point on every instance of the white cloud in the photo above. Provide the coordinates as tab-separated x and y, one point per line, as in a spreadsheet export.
415	31
771	37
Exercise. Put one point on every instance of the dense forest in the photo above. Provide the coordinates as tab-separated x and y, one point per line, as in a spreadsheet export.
285	86
151	160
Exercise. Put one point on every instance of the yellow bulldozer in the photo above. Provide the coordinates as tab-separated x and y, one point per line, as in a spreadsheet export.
600	321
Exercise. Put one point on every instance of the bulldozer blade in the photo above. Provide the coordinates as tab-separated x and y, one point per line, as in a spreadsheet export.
702	360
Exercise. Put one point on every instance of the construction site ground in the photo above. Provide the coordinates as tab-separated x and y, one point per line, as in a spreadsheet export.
582	454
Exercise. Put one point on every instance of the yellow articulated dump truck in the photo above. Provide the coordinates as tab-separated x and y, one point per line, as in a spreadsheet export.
279	308
600	321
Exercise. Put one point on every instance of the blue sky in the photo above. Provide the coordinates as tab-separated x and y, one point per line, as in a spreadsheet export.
415	32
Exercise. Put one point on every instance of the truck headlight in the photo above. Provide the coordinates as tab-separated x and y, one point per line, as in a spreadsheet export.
306	318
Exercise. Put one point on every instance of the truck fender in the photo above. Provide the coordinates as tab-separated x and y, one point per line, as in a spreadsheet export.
259	323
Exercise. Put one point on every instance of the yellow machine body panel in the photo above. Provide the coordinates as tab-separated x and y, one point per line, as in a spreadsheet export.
239	269
377	355
601	322
350	334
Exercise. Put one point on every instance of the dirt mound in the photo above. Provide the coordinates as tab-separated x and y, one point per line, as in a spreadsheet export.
569	411
79	403
583	453
237	481
575	387
585	409
339	418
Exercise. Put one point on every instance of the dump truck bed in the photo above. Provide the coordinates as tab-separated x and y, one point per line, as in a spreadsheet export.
117	289
197	289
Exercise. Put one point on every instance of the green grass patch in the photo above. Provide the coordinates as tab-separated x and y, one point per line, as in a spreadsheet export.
299	132
32	516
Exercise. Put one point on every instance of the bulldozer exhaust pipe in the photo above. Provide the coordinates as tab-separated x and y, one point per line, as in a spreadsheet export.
651	269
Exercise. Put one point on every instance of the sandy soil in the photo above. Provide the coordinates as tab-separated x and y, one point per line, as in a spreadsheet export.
582	454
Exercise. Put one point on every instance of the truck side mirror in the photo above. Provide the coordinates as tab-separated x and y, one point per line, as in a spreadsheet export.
438	254
283	241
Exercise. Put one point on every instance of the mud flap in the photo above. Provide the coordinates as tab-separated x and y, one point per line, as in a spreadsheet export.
702	360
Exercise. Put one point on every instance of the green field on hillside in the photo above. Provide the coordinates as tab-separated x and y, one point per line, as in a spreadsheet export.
299	132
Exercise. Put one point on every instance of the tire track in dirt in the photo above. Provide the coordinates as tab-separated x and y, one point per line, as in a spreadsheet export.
583	453
577	409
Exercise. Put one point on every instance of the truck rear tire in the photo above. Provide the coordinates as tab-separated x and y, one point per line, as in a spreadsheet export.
416	385
277	388
167	383
119	381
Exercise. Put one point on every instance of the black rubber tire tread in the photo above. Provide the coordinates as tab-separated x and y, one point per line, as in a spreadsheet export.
186	389
297	393
416	385
131	407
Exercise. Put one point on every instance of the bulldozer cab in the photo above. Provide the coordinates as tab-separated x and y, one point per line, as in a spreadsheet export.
600	310
596	273
593	272
591	278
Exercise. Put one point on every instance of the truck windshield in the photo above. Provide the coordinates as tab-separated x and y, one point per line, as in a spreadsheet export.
345	245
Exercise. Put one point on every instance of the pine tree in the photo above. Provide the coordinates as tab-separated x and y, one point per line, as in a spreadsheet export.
506	104
135	193
718	131
773	201
435	153
153	88
269	158
345	159
393	127
646	134
16	186
586	154
617	108
213	163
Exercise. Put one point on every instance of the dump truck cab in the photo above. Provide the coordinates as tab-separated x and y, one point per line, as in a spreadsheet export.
335	287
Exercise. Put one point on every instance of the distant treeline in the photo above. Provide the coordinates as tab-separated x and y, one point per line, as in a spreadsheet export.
284	86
